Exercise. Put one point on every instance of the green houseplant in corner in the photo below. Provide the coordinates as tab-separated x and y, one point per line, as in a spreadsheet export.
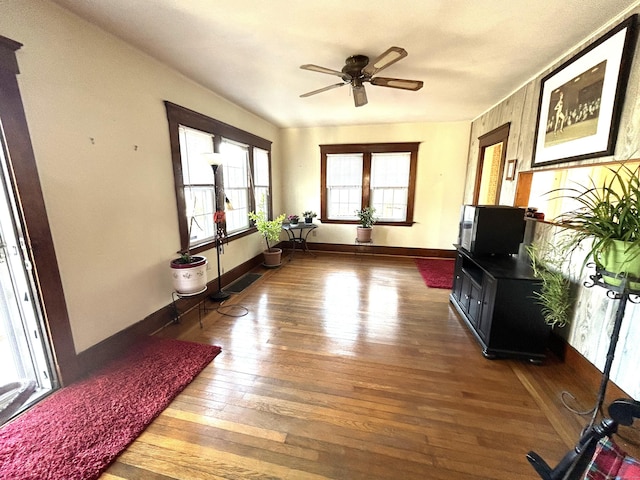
367	219
270	230
608	215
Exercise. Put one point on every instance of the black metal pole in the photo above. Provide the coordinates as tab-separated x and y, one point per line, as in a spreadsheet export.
219	295
613	342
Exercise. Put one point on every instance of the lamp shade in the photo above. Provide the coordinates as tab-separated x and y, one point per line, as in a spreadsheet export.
213	159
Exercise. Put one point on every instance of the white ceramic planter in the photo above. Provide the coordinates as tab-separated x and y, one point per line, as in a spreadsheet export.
189	278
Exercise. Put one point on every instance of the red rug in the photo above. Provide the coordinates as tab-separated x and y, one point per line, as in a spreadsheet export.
79	430
437	272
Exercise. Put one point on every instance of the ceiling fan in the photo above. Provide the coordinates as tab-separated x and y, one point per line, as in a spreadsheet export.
358	70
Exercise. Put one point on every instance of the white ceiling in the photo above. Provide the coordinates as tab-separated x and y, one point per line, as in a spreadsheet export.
470	54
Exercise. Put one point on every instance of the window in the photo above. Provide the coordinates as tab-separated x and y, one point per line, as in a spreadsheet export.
198	181
238	186
380	175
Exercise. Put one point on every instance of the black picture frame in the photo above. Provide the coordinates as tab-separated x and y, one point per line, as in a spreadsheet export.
581	100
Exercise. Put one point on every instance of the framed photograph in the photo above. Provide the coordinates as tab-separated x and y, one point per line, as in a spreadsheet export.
511	170
581	101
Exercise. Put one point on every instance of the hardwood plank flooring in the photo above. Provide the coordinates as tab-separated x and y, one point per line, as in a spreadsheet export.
349	367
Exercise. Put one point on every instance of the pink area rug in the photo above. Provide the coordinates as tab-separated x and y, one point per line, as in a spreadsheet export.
436	272
76	432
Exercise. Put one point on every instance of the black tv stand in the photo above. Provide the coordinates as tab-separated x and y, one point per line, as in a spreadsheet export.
494	295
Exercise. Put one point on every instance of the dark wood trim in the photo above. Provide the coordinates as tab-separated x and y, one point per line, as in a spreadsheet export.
8	60
28	192
178	115
590	374
375	249
97	355
367	149
498	135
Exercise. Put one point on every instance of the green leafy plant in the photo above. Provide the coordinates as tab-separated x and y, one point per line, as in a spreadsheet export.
185	255
606	212
270	229
367	217
555	293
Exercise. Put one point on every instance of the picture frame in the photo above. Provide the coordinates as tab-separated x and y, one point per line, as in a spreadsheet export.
581	100
511	170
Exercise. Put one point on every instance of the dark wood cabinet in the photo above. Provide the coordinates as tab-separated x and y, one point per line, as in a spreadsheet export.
494	295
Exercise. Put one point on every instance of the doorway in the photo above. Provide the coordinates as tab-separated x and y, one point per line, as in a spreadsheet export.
25	351
491	161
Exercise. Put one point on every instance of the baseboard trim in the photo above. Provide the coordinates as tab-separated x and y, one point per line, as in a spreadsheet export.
98	354
591	375
374	249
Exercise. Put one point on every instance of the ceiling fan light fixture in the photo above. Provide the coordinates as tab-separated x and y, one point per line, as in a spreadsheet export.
359	95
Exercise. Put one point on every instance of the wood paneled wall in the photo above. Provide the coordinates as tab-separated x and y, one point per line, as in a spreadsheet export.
589	330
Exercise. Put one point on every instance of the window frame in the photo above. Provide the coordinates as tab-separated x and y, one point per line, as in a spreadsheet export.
367	149
178	115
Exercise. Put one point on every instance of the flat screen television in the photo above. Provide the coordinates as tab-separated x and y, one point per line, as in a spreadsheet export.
491	229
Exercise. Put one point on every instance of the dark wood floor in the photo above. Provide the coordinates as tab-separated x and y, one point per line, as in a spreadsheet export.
349	367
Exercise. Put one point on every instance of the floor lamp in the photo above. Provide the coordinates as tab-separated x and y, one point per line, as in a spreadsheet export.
215	160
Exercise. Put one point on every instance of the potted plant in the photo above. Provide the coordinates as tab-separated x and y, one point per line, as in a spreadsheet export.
189	272
555	292
309	216
270	230
367	219
609	216
293	219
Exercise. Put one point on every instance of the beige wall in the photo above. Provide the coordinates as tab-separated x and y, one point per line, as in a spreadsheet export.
94	107
439	187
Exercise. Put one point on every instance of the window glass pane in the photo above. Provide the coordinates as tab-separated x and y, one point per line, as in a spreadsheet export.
197	176
261	180
260	167
194	144
390	203
236	184
343	202
200	203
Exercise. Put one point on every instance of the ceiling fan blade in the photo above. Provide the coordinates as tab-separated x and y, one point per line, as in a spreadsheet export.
316	68
359	95
320	90
389	57
413	85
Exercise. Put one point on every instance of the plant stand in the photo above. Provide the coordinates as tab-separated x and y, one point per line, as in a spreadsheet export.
623	294
175	296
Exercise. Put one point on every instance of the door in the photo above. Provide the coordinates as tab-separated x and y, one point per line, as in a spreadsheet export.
24	344
490	171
